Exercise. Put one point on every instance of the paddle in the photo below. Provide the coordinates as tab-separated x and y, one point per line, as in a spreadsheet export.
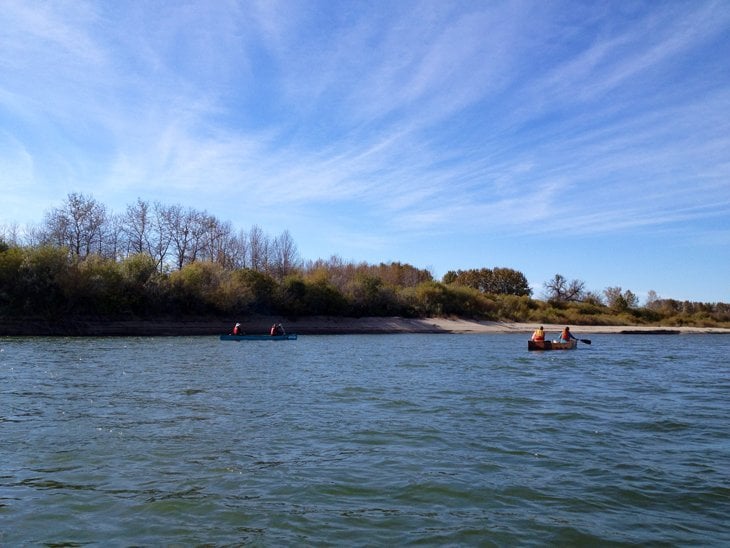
586	341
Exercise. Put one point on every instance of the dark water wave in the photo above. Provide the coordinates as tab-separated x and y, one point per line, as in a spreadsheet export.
364	440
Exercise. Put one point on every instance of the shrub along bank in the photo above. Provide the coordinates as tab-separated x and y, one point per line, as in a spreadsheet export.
47	284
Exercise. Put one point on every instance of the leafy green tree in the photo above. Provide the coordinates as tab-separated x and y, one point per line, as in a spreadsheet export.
142	282
450	277
507	281
95	286
513	307
323	298
291	296
460	300
497	281
260	285
619	300
11	260
396	274
41	280
370	296
196	287
430	298
138	270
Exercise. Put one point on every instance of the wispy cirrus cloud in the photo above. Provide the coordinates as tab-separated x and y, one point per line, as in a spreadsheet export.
413	117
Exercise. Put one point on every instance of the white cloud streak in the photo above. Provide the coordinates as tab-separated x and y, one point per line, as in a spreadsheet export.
417	114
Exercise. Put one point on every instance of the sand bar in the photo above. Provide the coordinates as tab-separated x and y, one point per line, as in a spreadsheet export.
317	325
456	325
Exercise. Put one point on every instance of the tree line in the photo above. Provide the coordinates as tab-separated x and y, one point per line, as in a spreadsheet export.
172	235
156	260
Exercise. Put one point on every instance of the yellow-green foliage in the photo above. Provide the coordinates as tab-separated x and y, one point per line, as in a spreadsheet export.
42	277
196	286
95	285
138	269
513	307
11	260
50	281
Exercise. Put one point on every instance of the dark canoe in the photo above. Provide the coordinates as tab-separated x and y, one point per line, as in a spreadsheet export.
287	337
551	345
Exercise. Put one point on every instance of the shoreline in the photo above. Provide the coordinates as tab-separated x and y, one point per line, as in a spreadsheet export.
316	325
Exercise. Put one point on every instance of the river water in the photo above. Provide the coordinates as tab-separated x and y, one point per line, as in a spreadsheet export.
364	440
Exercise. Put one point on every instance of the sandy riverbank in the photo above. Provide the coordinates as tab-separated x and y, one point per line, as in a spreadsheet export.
306	326
469	326
449	325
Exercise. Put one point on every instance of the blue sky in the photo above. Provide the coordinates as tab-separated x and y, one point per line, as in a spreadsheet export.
590	139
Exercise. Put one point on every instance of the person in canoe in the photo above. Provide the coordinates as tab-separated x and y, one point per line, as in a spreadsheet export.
566	335
538	335
237	330
277	329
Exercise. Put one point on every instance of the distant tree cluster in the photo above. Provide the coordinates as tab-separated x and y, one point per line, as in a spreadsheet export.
156	260
618	306
504	281
173	236
619	300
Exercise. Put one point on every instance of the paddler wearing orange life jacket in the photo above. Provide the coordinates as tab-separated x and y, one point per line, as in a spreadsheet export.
566	335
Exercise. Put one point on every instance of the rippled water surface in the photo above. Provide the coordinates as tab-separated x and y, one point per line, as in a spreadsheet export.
364	440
